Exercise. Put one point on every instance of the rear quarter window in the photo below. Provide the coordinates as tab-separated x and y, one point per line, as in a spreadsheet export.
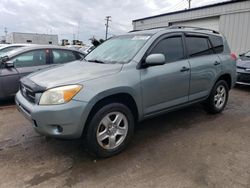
217	43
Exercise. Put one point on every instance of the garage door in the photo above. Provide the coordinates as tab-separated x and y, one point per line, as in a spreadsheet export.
210	23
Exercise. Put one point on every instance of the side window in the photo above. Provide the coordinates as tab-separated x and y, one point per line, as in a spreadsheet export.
30	59
63	56
198	46
217	43
171	47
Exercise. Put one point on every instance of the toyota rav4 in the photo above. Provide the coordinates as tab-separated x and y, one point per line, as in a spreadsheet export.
125	80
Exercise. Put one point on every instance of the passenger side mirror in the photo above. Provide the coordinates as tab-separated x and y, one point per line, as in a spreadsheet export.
155	59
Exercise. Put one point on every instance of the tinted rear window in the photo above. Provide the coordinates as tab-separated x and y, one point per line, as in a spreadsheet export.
198	46
217	43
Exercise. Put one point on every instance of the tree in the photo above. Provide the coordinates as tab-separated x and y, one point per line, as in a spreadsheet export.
95	41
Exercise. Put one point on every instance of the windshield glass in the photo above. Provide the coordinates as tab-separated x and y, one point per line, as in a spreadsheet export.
7	49
9	53
117	50
247	54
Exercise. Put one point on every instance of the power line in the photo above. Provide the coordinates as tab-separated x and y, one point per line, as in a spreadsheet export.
108	19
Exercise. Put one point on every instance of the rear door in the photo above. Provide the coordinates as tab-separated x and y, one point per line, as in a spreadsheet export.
205	65
24	64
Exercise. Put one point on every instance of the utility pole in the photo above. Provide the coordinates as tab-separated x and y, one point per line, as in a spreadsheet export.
6	31
78	30
108	19
189	4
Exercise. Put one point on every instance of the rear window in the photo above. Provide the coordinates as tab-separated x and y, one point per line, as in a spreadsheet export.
63	56
198	46
217	43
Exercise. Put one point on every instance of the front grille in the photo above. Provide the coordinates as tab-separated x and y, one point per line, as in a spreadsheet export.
243	77
28	93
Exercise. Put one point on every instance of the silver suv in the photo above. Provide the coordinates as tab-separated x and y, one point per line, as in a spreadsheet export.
125	80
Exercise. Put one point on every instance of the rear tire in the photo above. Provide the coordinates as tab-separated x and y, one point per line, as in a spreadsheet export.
218	97
110	130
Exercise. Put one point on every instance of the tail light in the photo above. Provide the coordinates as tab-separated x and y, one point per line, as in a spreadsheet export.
233	56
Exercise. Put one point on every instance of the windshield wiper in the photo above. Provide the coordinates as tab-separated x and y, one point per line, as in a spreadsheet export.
96	61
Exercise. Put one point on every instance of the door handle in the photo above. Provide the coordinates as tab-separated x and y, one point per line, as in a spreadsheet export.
184	69
216	63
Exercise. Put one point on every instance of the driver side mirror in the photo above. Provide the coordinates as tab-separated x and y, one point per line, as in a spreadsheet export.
155	59
9	64
4	59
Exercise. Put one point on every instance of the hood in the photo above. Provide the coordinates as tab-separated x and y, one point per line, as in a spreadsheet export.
244	63
72	73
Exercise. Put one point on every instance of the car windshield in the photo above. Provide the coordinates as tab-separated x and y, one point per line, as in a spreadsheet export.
117	50
7	49
247	54
11	52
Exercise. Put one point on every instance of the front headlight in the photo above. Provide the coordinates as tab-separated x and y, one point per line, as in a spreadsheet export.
59	95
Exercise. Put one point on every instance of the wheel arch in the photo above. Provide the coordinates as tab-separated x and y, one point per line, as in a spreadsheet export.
227	78
121	97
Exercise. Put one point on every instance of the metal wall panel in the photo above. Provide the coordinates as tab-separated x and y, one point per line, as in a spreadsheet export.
234	22
211	23
236	28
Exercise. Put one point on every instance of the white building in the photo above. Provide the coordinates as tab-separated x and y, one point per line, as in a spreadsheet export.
2	39
231	18
32	38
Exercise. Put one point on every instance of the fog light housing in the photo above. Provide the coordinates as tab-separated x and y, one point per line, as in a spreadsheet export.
59	129
56	129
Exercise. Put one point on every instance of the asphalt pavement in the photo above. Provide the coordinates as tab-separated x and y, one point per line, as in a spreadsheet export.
187	148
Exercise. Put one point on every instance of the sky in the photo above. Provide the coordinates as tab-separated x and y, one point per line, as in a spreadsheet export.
82	19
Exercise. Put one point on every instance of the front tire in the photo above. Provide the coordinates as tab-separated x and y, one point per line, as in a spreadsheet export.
218	97
110	129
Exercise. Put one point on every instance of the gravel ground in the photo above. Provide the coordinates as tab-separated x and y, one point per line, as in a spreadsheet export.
187	148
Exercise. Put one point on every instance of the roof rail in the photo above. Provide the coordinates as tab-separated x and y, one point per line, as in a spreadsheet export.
177	27
162	27
195	28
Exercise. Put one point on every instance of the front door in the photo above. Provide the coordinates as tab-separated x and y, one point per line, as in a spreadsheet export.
166	85
24	64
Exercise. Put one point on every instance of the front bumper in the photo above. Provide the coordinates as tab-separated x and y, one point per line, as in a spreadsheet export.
60	121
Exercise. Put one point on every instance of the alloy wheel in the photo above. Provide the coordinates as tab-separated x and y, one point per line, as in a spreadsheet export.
112	130
220	96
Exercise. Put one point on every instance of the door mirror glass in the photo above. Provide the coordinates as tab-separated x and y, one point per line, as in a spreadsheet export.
155	59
